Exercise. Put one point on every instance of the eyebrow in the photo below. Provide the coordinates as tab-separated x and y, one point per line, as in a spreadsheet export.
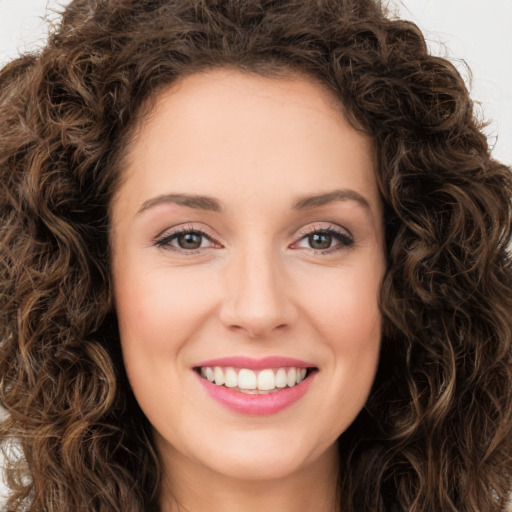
190	201
315	201
211	204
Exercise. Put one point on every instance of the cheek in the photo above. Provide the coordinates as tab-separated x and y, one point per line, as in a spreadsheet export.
345	306
345	313
157	316
156	308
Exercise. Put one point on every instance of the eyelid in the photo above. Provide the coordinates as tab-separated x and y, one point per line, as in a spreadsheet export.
315	227
345	238
325	228
163	239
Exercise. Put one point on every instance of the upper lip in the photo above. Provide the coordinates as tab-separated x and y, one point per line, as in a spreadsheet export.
256	364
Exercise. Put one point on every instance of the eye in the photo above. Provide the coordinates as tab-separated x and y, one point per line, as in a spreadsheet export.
324	240
191	240
185	239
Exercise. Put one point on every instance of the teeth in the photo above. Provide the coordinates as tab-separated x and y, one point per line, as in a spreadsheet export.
253	382
219	376
291	378
266	380
247	379
281	378
231	378
301	374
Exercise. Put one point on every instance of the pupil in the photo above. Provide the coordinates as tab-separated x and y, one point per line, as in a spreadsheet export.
320	241
189	241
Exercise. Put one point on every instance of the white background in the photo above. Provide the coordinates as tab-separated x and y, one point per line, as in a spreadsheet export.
475	31
478	32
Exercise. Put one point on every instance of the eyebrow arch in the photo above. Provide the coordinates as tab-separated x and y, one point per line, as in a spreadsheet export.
315	201
211	204
190	201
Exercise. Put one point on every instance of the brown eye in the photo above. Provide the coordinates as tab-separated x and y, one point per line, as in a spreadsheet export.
320	240
325	241
189	240
185	240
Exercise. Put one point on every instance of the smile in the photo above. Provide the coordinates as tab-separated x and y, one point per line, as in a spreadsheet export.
256	387
245	380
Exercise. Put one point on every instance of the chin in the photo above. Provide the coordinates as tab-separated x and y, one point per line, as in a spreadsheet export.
259	456
259	466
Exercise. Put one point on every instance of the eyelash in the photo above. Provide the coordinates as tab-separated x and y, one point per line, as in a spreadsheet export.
344	239
165	241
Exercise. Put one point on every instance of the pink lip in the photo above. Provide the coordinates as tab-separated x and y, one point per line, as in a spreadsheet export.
256	364
256	405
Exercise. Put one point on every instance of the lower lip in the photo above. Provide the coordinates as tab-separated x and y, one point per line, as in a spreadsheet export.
257	405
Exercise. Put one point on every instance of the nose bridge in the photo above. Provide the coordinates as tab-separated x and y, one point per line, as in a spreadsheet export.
256	299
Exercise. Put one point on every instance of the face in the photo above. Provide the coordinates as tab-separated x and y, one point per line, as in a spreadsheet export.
247	256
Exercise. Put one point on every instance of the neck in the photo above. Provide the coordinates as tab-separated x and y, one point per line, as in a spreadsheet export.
188	487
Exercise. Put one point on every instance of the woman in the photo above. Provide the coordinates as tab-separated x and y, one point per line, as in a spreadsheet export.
254	257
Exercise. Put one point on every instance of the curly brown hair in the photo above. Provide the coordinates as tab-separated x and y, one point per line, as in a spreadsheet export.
436	433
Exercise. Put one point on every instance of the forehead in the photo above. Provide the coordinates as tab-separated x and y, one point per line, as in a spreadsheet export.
284	87
215	130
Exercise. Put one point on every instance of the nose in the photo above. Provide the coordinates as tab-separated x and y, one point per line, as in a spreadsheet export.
257	298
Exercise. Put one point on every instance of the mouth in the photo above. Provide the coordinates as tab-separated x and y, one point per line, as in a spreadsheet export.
262	381
256	386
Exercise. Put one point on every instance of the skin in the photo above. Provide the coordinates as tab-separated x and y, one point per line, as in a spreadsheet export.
257	286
